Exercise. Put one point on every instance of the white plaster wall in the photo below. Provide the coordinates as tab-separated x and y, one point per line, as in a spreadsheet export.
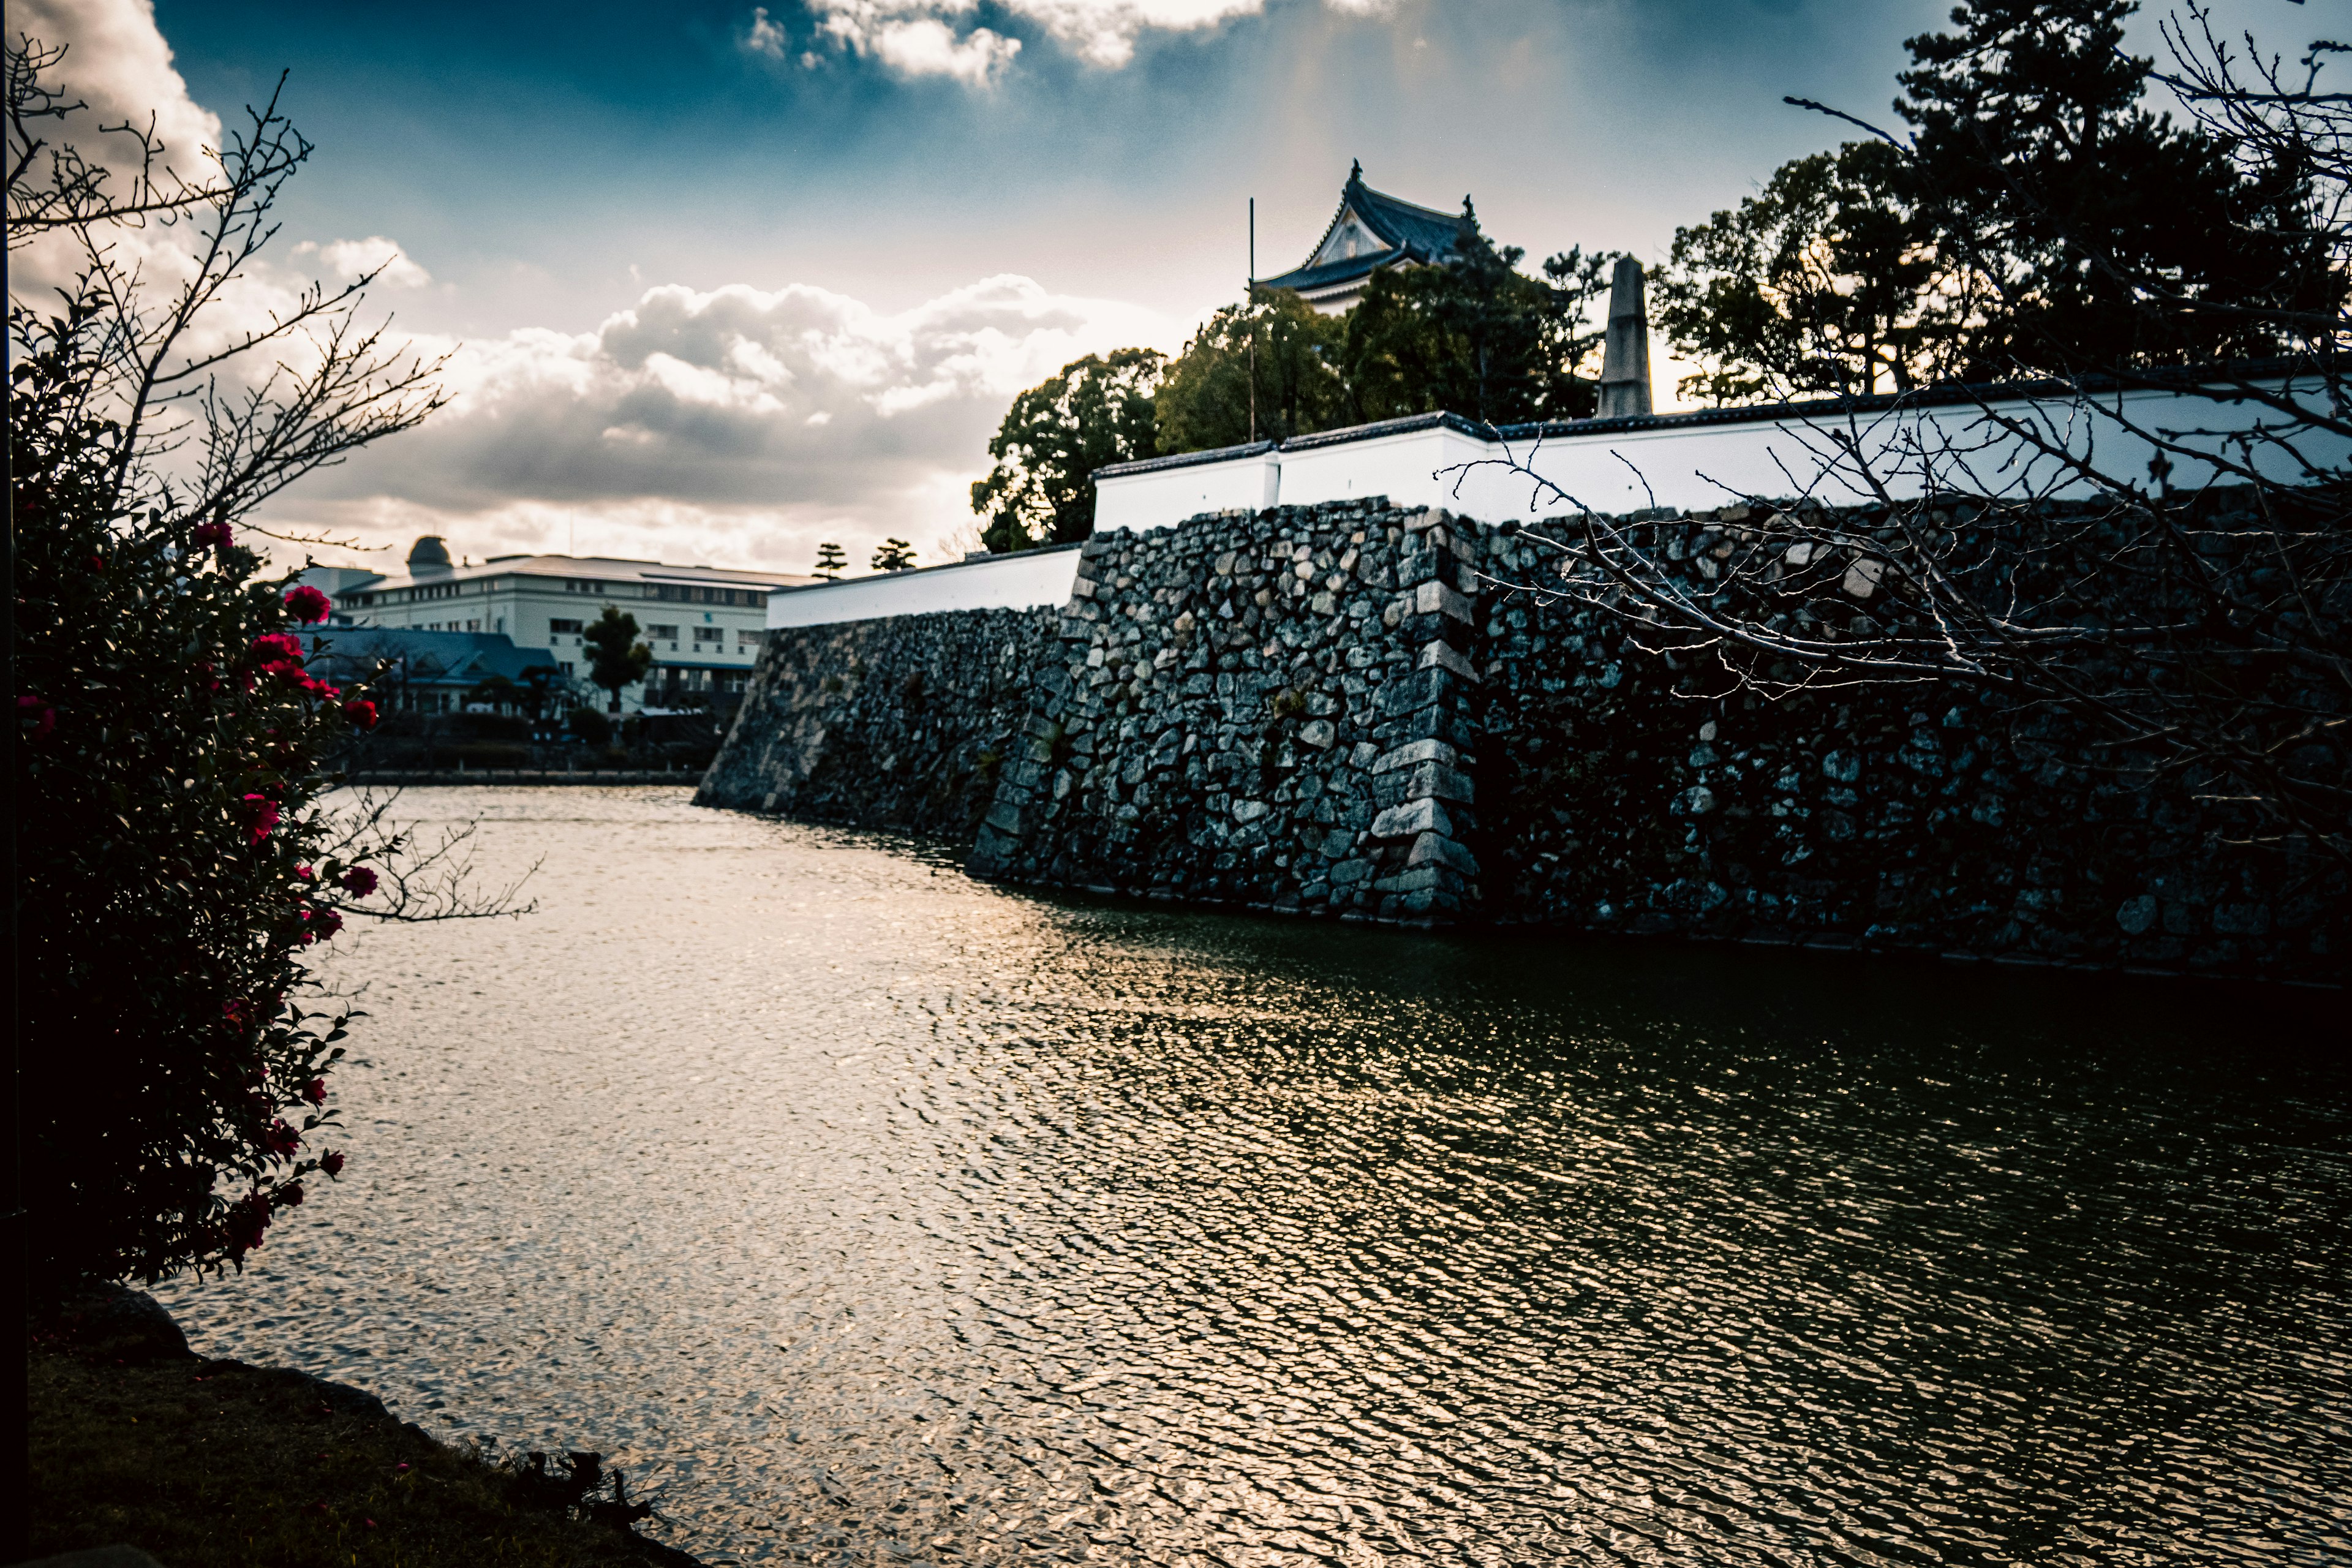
1001	582
1163	496
1704	466
1406	469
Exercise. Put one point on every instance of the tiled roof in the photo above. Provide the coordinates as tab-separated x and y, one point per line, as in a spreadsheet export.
592	568
2225	377
436	658
1409	231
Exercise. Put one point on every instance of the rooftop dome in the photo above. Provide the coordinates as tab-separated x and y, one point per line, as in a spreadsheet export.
428	555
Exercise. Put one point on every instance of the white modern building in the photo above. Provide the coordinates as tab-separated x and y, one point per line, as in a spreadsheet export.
704	624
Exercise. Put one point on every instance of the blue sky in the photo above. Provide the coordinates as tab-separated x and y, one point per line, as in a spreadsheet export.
725	280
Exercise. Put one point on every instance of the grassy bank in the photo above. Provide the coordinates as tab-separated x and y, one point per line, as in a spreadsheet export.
209	1464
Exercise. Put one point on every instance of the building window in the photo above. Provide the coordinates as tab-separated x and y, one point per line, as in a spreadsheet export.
661	633
565	668
709	634
565	627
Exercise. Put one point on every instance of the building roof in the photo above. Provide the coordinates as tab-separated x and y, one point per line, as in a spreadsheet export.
1371	230
426	658
2225	377
577	568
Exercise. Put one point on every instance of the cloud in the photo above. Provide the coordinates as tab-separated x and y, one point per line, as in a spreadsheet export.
732	424
116	61
353	258
765	36
925	37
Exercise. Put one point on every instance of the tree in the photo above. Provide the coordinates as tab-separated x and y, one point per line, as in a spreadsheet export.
171	738
830	560
2183	616
1825	281
894	555
1476	336
1208	398
1095	411
2042	173
495	691
615	657
2001	240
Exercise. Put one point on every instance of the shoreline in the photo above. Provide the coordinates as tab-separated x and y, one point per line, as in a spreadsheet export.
138	1440
403	778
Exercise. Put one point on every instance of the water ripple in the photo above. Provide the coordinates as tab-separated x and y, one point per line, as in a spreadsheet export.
871	1216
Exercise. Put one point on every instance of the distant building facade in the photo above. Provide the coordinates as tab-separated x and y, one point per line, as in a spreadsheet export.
1369	232
429	672
704	624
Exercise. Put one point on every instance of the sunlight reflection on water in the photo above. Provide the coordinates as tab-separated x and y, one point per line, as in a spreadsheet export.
868	1214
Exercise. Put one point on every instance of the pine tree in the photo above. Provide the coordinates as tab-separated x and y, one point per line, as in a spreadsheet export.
830	560
615	657
894	556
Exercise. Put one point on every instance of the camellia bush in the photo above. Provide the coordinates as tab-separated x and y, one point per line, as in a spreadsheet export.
175	864
182	847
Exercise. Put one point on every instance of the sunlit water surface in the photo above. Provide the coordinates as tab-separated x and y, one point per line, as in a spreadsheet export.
867	1214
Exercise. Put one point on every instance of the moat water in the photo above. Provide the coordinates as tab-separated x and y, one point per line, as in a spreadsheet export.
866	1214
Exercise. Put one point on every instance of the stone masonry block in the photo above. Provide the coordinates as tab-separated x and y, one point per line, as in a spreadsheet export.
1441	655
1438	850
1411	693
1436	779
1434	598
1416	816
1413	751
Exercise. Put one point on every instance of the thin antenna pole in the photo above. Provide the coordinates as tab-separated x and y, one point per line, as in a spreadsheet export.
1249	304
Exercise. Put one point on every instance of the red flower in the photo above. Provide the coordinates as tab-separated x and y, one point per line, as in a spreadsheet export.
262	813
247	1218
306	874
205	673
282	1139
315	1091
31	709
359	881
277	648
361	713
307	604
332	1163
325	922
290	1196
236	1010
212	536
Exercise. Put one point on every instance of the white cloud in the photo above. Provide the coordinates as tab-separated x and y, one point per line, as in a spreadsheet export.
925	37
765	37
117	62
351	259
729	425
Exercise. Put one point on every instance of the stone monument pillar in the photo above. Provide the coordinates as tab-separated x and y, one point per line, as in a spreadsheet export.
1625	362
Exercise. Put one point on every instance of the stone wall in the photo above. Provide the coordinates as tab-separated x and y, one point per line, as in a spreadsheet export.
1348	710
1268	709
901	723
1635	793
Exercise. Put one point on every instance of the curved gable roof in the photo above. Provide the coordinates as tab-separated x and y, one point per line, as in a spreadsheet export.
1406	230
